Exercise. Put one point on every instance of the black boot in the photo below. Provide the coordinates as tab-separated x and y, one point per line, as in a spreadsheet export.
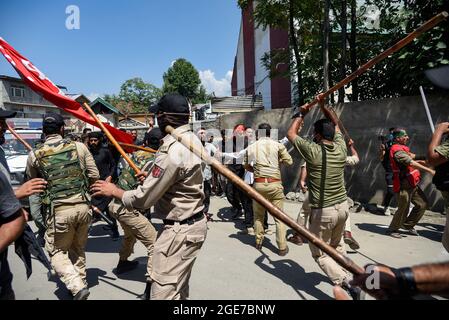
147	293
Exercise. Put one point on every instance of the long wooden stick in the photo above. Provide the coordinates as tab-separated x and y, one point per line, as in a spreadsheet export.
342	260
409	38
137	147
15	134
112	139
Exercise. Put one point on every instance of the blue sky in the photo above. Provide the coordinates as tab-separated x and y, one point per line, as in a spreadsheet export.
119	40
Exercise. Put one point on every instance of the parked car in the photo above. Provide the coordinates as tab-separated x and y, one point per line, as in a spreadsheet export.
17	154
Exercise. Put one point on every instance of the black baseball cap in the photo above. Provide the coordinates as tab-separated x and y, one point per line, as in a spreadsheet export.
52	118
171	103
4	114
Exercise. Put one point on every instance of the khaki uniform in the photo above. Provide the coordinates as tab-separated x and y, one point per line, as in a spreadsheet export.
267	155
304	214
135	227
443	150
175	188
407	195
329	207
134	224
67	228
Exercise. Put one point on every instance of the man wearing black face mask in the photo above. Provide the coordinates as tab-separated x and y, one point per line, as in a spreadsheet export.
174	186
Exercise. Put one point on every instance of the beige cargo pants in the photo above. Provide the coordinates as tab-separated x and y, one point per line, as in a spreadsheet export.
65	242
273	192
304	214
175	252
135	227
328	224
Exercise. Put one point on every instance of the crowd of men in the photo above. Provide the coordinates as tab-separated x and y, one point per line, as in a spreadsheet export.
75	179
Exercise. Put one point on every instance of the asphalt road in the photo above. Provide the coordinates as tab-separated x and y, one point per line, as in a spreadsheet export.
229	267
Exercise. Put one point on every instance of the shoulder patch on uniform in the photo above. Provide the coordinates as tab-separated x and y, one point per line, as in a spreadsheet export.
157	171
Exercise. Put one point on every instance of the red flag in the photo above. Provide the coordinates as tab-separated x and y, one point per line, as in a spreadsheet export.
39	83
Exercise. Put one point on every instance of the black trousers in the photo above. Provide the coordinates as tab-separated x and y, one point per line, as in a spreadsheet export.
207	191
234	196
6	292
389	195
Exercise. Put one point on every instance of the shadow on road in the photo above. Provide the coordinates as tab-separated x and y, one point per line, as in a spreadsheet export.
103	244
251	241
292	274
225	215
372	227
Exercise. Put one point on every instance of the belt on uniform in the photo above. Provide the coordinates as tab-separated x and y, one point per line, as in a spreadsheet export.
197	217
266	180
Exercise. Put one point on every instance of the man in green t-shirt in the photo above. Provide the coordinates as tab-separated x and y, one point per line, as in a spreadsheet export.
325	157
438	156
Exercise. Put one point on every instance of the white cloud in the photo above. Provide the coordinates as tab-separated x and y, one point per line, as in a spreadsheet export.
221	87
93	96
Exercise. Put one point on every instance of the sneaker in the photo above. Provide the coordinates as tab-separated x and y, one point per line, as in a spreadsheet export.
125	266
283	252
412	232
393	234
268	232
250	231
83	294
350	241
387	211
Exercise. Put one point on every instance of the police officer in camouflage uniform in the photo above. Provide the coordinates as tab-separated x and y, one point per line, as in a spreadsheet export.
134	224
69	169
175	187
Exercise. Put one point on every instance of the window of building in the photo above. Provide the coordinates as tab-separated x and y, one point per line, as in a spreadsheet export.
18	92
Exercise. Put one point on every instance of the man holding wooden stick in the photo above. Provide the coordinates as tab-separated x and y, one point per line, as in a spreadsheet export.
175	187
326	158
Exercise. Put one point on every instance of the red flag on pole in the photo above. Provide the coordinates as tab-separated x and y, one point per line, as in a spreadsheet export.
39	83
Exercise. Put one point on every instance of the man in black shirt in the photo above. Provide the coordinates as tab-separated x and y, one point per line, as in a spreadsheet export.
107	167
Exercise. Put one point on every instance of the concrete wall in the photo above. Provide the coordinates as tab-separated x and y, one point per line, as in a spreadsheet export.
364	121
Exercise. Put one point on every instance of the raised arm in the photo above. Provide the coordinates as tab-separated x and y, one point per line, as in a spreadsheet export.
433	157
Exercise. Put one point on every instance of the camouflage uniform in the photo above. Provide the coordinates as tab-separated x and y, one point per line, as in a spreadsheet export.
134	224
68	168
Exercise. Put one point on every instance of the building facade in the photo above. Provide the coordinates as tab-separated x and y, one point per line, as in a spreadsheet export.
249	75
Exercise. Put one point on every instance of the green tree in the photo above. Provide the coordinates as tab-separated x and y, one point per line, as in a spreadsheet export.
183	78
139	93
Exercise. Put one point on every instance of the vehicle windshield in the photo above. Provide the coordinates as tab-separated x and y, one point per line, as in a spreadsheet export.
12	146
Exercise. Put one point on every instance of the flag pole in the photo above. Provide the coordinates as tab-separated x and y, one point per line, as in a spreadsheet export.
429	116
111	138
15	134
399	45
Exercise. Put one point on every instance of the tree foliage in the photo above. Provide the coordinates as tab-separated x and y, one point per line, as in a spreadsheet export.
401	74
135	96
183	78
